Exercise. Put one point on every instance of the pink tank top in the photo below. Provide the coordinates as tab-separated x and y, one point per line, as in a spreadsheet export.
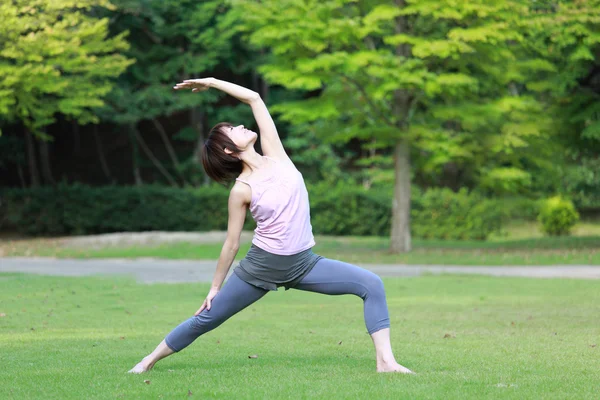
281	210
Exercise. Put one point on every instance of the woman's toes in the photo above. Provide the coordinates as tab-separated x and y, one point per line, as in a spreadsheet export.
139	368
394	368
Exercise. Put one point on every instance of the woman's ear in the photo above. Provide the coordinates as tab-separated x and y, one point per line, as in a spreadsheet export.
229	152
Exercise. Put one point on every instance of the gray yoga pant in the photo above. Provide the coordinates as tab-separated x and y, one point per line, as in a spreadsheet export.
327	276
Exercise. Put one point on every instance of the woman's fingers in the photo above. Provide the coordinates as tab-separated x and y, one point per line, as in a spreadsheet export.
201	308
196	87
205	305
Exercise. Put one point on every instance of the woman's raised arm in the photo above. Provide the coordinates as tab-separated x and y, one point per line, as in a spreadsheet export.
269	138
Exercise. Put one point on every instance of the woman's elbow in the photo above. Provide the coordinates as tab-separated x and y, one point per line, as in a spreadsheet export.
254	97
232	246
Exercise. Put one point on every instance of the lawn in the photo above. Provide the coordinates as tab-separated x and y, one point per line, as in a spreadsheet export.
466	337
537	251
520	243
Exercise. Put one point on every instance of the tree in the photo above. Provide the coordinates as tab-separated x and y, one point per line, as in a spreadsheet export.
565	33
404	76
54	58
173	40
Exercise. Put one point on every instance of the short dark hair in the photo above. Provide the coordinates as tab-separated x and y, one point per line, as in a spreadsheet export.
218	165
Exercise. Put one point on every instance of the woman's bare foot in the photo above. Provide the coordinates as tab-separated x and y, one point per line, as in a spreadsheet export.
386	362
142	366
392	367
161	351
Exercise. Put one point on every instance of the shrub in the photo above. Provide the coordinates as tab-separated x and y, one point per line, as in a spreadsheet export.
558	216
444	214
347	209
79	209
519	208
341	209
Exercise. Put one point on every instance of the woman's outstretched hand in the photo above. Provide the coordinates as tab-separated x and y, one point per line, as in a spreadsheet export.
197	85
207	302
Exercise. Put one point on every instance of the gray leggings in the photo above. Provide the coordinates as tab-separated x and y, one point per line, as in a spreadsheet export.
327	277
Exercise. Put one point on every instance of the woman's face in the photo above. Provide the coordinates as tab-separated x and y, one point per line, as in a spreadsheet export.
242	137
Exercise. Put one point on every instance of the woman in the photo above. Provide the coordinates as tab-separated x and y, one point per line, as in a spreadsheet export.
274	191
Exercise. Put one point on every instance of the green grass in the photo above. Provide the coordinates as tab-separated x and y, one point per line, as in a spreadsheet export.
539	251
516	230
466	337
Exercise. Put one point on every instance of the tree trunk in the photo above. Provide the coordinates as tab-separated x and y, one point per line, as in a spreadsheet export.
197	122
135	156
153	158
264	87
265	90
401	240
255	83
76	137
46	163
34	175
101	156
169	147
21	176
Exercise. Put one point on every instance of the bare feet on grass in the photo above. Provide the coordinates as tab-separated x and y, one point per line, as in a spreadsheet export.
392	367
386	362
142	366
161	351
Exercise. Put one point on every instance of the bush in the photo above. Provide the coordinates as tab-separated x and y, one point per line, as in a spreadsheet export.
346	209
79	209
558	216
519	208
444	214
435	214
343	209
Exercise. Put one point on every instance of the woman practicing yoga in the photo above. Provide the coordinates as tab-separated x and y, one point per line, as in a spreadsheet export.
280	254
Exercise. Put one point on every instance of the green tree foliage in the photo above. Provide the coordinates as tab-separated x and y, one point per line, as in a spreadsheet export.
173	40
498	96
567	35
581	182
438	78
55	57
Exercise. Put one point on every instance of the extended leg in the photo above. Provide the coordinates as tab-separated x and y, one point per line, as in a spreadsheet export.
337	278
234	296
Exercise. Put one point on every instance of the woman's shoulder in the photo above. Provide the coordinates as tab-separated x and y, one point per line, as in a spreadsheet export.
240	192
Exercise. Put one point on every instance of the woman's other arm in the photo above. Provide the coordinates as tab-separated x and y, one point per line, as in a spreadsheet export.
239	198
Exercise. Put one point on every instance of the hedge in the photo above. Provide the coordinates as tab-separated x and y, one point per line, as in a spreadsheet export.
341	209
78	209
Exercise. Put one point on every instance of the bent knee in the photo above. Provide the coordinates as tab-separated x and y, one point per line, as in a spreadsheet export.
372	285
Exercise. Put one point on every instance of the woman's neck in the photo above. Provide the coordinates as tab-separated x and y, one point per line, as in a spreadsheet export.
251	160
